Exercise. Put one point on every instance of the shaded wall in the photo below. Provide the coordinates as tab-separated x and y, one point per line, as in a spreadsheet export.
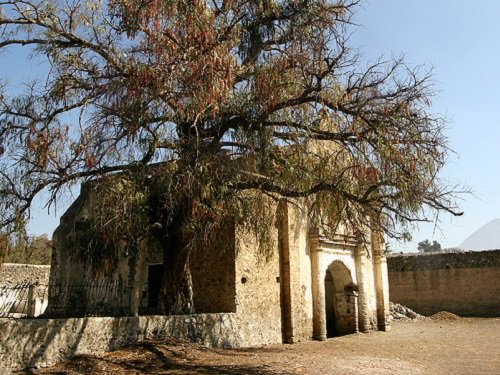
83	279
465	283
213	273
87	281
45	342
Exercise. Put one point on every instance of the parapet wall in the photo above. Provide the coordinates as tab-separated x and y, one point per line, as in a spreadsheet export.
28	343
12	274
464	283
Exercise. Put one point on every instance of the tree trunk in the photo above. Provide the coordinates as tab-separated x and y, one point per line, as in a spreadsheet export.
176	296
177	290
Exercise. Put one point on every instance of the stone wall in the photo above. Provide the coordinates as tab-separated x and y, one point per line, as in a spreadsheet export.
273	289
44	342
213	273
78	260
12	274
17	282
301	277
465	283
258	288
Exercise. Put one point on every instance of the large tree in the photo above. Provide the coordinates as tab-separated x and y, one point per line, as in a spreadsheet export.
244	99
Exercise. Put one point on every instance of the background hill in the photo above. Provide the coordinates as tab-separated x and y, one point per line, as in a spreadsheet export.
485	238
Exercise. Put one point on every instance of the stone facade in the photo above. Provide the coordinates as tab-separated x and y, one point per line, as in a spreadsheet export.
134	279
306	287
464	283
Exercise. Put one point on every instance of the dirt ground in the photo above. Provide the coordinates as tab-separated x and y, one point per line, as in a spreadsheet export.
443	345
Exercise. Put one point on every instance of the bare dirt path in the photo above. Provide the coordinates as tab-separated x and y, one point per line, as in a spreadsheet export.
442	346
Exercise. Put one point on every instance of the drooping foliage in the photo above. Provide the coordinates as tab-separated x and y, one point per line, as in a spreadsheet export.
244	100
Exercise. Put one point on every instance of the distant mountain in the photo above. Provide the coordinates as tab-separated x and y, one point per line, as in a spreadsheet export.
485	238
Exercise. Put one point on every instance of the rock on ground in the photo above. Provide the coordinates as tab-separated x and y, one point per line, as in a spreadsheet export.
400	312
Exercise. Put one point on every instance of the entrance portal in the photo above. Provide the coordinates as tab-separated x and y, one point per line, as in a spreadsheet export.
341	301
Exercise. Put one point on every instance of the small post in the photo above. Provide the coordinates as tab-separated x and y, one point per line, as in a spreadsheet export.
31	303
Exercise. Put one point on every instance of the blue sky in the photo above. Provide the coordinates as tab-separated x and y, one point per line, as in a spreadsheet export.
460	40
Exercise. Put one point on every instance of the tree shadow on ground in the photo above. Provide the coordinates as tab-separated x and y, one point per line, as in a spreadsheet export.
155	358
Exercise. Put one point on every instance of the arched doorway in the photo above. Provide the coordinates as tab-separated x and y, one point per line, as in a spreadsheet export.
341	301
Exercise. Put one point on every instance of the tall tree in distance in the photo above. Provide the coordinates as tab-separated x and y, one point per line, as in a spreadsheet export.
26	250
428	247
234	94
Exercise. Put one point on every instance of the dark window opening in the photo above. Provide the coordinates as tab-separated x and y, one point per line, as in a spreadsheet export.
155	275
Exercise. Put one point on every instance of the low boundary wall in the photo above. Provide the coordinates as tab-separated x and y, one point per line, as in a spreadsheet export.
464	283
12	274
28	343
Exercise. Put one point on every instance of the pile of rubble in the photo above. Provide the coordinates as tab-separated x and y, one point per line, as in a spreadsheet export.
400	312
444	315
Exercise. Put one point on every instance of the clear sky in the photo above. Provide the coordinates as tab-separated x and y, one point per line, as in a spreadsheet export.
460	40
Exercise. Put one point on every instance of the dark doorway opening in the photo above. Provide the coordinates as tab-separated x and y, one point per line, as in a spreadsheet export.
340	301
330	305
155	275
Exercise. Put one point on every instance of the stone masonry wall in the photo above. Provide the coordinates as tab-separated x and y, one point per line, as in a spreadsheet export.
213	274
301	280
212	267
260	282
465	283
44	342
258	289
12	274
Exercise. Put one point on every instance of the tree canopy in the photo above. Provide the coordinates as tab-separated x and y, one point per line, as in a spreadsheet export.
220	105
203	83
26	250
428	247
